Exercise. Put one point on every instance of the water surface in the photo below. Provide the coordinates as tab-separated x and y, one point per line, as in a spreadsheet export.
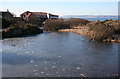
58	54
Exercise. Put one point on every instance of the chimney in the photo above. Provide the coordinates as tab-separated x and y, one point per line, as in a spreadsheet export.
7	10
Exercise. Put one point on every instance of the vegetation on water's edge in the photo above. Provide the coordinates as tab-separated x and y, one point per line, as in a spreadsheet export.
57	24
6	22
18	28
107	30
16	31
103	30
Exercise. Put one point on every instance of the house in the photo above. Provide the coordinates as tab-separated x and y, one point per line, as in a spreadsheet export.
51	16
7	14
8	18
37	16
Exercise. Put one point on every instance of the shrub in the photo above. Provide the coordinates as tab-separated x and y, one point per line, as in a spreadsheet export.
17	31
100	31
77	22
5	23
114	25
55	24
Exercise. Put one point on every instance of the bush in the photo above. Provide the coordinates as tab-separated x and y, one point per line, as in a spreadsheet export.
56	24
5	23
114	25
31	29
74	22
17	31
100	31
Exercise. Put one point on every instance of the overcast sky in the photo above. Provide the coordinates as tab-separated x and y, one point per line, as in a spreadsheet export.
62	8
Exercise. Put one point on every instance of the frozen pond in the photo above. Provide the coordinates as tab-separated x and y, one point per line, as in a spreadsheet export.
58	54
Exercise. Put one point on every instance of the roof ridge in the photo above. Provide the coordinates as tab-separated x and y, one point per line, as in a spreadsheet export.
35	12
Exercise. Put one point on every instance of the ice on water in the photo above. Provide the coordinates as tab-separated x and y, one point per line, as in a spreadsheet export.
78	68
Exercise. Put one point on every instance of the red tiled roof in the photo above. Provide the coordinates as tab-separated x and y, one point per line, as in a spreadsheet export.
28	15
39	13
25	13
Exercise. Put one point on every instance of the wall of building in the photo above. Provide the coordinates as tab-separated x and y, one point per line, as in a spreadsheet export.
7	15
50	16
32	18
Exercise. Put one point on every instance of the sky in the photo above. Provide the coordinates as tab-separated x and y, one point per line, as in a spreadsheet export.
59	0
62	8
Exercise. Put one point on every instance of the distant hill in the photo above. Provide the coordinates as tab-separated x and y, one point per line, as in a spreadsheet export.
92	17
89	16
